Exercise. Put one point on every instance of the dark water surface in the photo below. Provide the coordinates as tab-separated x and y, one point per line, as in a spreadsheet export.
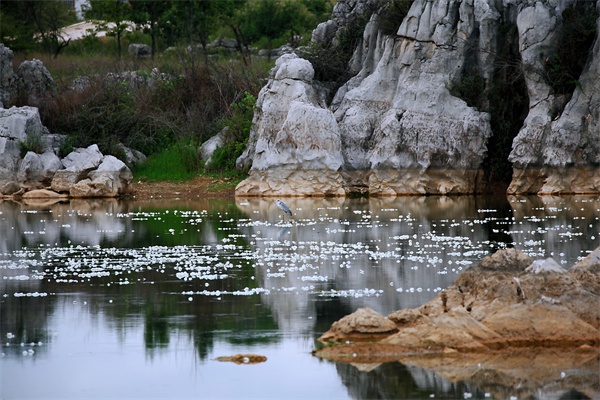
115	299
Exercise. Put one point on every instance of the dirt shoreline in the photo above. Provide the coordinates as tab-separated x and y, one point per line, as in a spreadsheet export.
201	187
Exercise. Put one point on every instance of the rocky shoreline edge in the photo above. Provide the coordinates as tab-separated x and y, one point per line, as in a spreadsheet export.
508	322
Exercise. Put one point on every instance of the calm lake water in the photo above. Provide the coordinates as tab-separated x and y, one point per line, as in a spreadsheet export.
119	299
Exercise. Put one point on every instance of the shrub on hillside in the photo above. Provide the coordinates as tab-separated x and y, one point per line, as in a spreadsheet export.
565	62
331	60
239	123
149	110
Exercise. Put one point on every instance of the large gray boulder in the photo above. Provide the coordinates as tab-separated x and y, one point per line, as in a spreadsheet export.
207	149
37	170
88	173
77	165
294	145
34	82
18	125
83	159
132	156
111	179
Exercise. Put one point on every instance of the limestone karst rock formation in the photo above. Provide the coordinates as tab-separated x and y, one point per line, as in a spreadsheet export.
293	129
559	154
397	128
501	324
85	172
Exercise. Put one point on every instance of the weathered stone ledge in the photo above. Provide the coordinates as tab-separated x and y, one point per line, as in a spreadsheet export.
509	326
506	301
377	183
555	181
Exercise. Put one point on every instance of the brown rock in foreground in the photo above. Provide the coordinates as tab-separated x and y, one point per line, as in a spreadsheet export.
507	300
509	326
363	325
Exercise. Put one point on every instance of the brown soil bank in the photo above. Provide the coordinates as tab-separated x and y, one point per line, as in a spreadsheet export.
199	187
508	322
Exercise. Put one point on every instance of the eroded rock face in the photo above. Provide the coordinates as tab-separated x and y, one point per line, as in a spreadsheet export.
556	154
34	82
294	147
400	129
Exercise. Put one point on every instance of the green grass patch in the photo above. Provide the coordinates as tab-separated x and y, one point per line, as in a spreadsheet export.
177	163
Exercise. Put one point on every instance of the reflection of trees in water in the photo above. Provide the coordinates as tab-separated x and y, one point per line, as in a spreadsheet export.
26	319
394	380
160	307
380	224
112	223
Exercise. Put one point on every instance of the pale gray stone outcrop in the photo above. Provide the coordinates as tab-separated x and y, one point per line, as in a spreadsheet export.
18	125
83	159
111	179
21	130
105	176
294	145
400	129
31	168
132	156
88	173
207	149
34	82
560	155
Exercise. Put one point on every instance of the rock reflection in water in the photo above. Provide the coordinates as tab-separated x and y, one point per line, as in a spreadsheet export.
522	374
394	380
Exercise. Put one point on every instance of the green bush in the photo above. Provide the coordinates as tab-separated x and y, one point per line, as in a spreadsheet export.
32	143
390	14
564	63
239	124
188	101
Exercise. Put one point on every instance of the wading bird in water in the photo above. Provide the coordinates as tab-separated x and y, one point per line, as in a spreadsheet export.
283	207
